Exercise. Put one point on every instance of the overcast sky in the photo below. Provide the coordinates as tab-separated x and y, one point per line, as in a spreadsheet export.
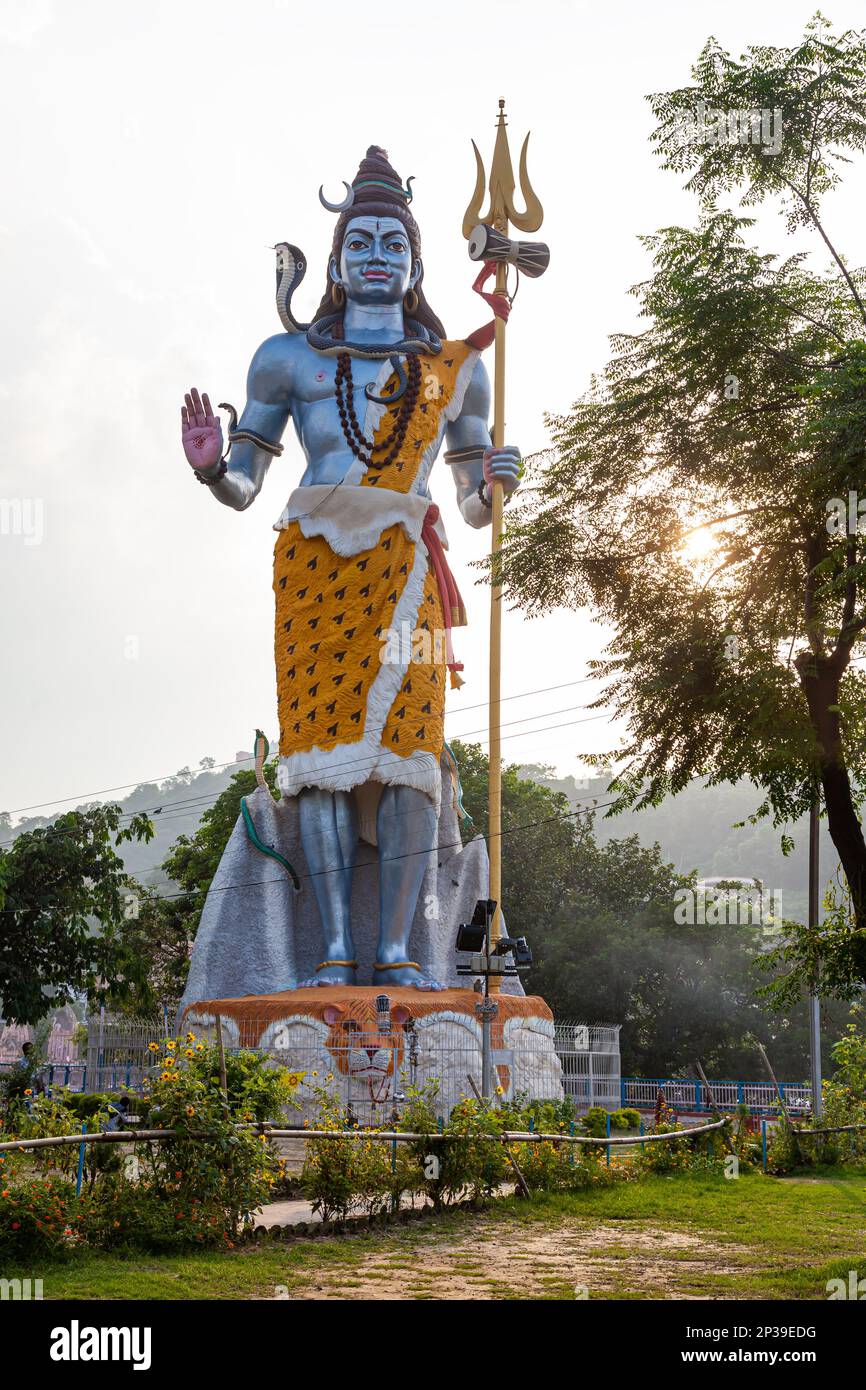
153	156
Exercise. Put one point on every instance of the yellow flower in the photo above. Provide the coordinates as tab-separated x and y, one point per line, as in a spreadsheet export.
295	1078
28	1092
500	1091
190	1110
170	1045
165	1076
190	1037
188	1052
169	1062
199	1047
153	1047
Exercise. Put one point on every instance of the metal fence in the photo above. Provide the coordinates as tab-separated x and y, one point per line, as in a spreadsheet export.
117	1054
372	1072
641	1093
589	1056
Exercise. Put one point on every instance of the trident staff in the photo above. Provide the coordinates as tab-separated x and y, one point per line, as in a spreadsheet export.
489	242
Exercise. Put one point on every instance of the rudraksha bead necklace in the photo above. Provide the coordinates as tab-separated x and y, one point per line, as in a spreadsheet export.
345	396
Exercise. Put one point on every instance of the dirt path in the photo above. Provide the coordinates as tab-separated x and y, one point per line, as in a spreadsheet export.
569	1260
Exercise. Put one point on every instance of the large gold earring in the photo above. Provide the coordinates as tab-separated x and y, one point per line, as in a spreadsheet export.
338	295
410	301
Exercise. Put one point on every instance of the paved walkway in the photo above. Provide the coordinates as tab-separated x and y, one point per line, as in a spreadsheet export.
286	1213
290	1213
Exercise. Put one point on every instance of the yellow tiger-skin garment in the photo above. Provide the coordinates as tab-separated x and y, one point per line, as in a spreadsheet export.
360	655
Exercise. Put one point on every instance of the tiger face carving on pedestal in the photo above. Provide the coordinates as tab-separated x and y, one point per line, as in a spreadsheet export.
371	1067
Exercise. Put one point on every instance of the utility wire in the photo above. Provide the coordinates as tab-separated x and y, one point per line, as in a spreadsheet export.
374	863
356	765
145	781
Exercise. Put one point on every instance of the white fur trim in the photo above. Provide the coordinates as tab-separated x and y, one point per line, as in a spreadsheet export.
351	519
349	764
464	376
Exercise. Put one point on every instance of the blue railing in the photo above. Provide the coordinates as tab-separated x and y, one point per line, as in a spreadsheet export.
73	1075
692	1096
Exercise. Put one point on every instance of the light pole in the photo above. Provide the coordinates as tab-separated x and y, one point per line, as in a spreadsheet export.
489	959
814	998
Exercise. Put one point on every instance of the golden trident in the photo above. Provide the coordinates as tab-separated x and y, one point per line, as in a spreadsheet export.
500	212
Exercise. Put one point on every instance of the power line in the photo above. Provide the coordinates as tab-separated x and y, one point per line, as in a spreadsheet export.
357	765
145	781
149	868
584	810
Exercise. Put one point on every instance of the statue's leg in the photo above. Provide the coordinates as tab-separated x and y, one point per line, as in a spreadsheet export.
329	835
407	831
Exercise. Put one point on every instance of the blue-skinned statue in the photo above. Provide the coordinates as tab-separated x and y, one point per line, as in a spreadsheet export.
365	601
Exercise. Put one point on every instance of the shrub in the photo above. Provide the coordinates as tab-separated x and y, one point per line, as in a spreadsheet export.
52	1115
38	1216
87	1105
122	1215
330	1175
625	1119
233	1170
201	1186
547	1116
595	1122
783	1155
542	1165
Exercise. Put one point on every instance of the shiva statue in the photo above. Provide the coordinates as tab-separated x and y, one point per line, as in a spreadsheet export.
373	387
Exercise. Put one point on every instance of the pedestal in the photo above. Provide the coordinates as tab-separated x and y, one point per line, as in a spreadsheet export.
375	1055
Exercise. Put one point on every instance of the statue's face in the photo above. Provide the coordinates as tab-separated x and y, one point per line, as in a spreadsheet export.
376	265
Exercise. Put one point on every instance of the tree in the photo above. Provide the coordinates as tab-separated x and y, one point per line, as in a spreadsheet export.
64	896
607	946
689	495
157	934
538	837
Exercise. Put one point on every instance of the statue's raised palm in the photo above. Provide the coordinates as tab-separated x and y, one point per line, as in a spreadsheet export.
201	431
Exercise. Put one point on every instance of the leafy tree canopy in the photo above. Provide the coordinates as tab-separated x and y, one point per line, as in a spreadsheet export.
608	947
64	899
688	498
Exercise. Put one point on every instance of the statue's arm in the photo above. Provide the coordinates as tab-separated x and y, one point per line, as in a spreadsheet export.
473	460
256	439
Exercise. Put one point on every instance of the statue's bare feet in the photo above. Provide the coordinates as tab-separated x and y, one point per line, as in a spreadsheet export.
408	974
330	975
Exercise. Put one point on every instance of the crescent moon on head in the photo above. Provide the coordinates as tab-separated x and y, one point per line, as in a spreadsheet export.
338	207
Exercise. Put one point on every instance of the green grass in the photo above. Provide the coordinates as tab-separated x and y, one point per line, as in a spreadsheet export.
753	1237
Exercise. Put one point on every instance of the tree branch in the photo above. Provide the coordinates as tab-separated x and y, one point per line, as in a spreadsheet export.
816	221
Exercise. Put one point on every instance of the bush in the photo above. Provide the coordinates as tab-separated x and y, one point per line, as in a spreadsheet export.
547	1116
233	1170
595	1122
86	1105
625	1119
52	1115
201	1186
783	1155
472	1165
331	1175
124	1215
38	1216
